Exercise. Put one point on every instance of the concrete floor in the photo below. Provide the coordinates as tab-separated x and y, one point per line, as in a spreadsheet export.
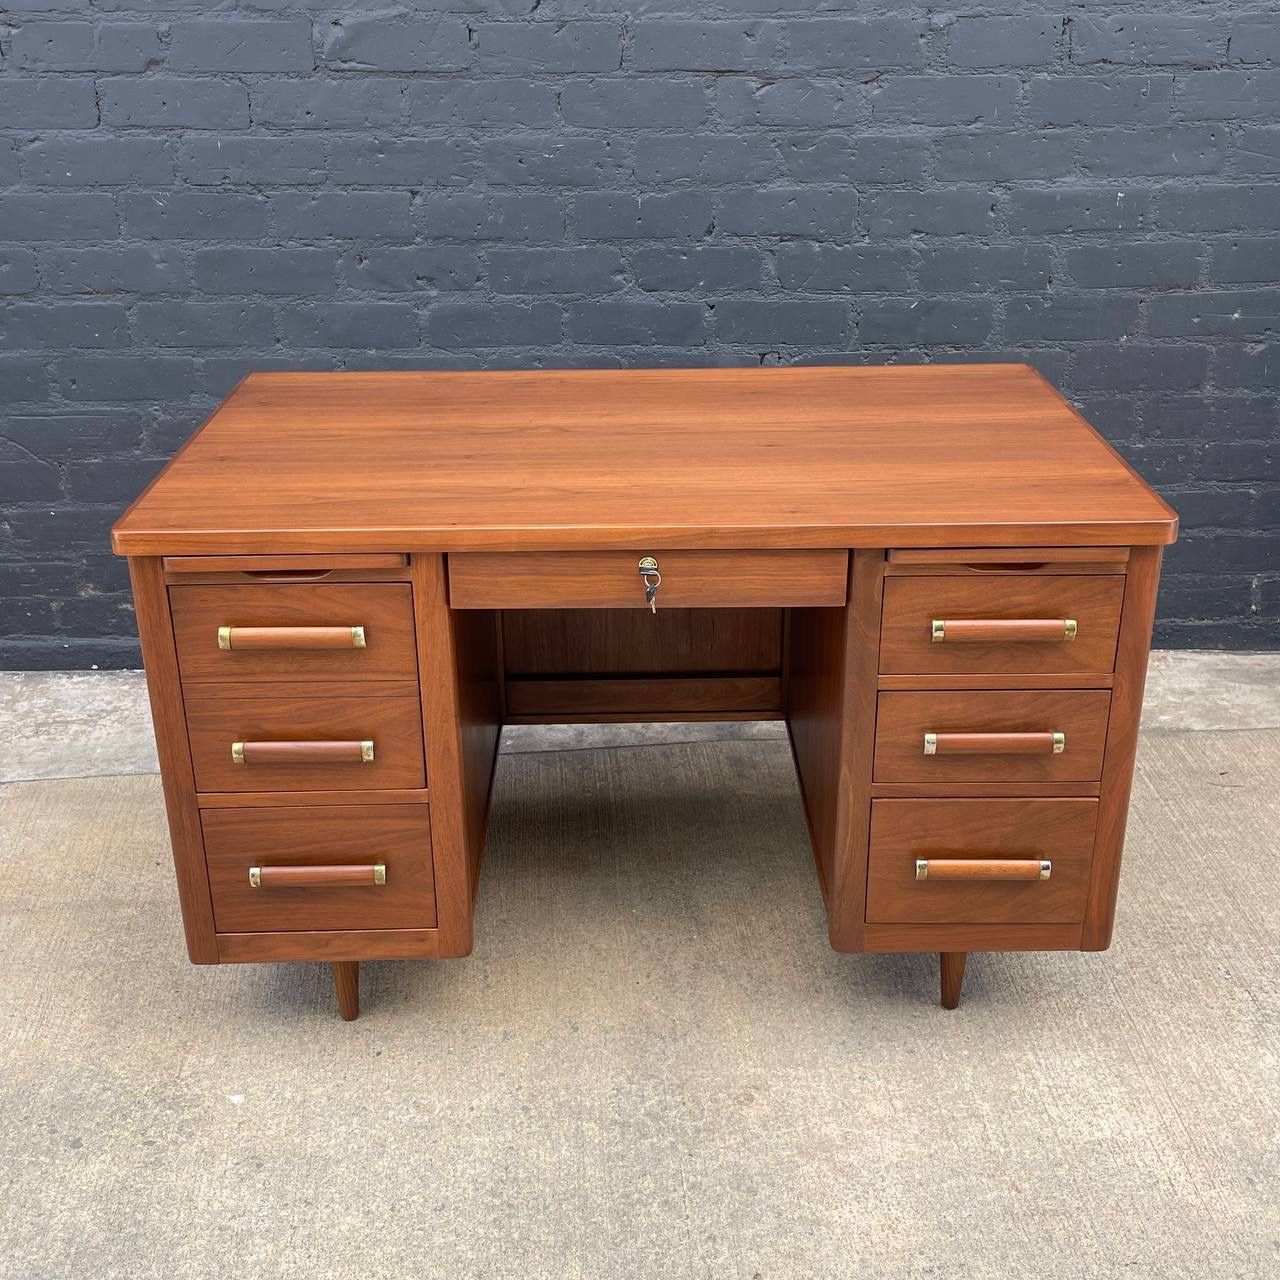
653	1065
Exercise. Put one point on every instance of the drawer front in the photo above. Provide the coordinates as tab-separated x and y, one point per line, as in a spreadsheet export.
612	579
1016	736
1001	624
315	868
982	861
349	631
247	738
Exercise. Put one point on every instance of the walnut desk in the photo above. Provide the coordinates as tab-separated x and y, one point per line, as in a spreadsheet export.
941	578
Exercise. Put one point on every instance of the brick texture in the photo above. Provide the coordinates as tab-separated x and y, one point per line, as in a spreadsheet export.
189	191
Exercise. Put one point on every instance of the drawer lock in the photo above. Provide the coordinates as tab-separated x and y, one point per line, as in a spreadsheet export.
652	579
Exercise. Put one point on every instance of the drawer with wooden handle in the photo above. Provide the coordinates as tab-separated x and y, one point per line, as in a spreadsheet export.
647	580
348	631
339	867
1040	625
1020	735
979	861
256	738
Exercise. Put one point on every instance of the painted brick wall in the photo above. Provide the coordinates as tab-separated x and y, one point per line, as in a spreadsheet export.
192	190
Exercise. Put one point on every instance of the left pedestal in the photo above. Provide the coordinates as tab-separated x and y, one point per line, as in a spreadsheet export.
322	798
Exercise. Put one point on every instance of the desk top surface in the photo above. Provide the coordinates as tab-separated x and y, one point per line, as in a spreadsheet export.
932	455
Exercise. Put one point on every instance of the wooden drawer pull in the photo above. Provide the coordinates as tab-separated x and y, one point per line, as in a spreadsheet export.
317	877
291	638
995	744
335	752
983	868
1003	630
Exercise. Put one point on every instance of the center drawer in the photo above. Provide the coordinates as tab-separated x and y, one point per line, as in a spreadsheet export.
269	737
1020	735
613	580
340	867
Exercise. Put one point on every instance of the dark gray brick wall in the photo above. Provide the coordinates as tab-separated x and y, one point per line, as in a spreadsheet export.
193	189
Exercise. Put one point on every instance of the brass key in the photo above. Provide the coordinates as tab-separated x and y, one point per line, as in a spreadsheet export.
652	580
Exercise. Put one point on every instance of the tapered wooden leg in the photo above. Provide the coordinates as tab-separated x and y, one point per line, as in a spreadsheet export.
952	964
346	981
